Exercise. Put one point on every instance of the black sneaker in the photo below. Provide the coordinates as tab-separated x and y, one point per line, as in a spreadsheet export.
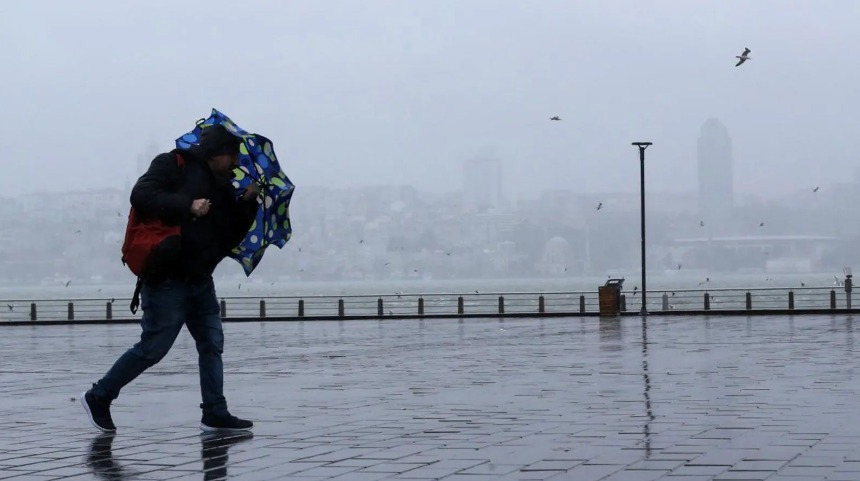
210	422
99	412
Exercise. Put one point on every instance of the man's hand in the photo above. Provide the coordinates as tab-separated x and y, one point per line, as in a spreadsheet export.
251	192
200	207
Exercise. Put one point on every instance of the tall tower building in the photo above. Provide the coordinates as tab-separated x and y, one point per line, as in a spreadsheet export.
716	188
482	183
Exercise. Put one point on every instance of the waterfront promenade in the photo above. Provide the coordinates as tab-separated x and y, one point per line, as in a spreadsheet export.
678	398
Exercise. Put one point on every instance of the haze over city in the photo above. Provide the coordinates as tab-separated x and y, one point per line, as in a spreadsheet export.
377	109
360	93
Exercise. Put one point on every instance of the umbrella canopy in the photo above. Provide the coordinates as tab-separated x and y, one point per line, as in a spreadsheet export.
257	164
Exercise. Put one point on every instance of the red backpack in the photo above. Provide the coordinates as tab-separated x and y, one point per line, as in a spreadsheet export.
142	237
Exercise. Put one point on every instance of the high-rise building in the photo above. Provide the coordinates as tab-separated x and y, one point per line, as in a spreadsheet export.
716	189
482	183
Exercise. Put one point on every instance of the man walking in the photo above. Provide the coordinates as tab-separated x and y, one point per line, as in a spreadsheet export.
191	188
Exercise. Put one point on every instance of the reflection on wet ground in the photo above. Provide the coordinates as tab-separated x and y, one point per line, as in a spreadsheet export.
771	398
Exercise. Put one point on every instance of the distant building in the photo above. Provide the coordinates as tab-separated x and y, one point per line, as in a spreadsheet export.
716	183
482	184
556	257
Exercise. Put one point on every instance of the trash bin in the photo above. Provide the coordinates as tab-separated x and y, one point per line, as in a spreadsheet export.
609	297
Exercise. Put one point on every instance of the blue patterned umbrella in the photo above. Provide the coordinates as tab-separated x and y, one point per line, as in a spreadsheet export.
258	164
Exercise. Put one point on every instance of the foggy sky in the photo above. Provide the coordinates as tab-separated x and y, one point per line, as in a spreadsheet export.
372	92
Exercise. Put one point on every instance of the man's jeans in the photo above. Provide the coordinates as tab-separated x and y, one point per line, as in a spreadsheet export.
166	307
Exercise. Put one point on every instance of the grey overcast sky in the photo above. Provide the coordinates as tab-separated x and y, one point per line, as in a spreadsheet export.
374	92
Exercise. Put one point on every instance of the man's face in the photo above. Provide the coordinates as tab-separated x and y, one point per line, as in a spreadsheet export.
223	165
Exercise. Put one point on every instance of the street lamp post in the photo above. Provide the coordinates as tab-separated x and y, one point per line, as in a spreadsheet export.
642	146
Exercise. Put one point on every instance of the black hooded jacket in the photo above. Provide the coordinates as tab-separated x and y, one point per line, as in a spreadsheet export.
166	192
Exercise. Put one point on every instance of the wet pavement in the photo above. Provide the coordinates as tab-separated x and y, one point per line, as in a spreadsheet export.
681	399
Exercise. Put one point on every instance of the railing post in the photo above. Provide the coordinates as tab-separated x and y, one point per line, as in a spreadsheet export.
832	299
541	305
379	307
460	308
791	299
582	303
623	303
262	308
420	306
33	311
707	302
301	308
665	301
749	300
71	311
340	309
223	308
501	305
109	310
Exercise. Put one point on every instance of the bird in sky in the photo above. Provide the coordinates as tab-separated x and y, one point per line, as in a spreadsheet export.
68	282
743	57
761	225
556	117
10	306
361	241
679	267
635	288
599	205
815	189
701	223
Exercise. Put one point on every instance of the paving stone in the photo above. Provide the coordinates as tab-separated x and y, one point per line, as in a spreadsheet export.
727	398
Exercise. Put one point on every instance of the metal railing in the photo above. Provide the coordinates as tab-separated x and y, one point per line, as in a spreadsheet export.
440	305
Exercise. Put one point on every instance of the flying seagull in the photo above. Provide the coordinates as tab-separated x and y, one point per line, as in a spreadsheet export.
556	117
761	225
815	189
701	223
599	205
743	57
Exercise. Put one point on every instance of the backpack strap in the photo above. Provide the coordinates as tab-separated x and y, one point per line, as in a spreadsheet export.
135	299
